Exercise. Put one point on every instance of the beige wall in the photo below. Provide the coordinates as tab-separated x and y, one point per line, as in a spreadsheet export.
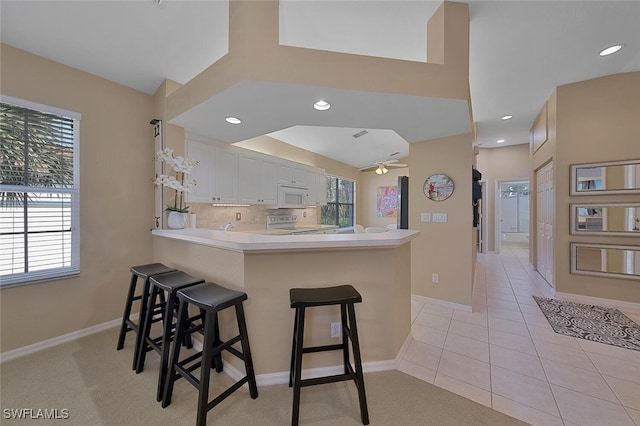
116	199
443	248
590	121
500	164
255	54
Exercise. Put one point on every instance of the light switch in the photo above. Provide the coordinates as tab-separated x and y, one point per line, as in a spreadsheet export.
440	217
425	217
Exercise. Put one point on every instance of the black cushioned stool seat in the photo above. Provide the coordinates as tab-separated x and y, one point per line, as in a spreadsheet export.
168	283
145	272
210	298
345	296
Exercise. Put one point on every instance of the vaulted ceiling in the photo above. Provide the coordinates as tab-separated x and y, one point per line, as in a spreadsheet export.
519	52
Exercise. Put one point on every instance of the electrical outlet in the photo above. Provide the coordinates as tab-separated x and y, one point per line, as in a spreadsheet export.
335	329
238	216
435	278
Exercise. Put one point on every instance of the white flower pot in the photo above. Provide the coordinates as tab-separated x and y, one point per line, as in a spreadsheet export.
176	220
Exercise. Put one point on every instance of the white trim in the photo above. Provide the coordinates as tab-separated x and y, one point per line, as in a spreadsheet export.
612	303
230	370
39	107
458	306
282	377
55	341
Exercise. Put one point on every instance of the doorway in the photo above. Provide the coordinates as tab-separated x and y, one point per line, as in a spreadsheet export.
513	213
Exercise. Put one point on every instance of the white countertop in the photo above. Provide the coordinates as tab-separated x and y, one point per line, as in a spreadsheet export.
250	242
297	230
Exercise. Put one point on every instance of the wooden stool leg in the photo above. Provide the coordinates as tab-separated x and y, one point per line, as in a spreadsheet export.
246	351
127	311
145	330
217	359
175	353
345	337
205	368
144	303
293	346
364	412
166	343
297	369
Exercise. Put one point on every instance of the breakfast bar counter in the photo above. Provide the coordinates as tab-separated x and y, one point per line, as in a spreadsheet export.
249	242
267	266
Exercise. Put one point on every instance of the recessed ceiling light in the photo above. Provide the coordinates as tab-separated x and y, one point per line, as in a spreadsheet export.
610	50
233	120
500	141
322	105
506	117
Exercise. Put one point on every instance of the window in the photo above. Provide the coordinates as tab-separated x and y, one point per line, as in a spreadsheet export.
339	209
39	191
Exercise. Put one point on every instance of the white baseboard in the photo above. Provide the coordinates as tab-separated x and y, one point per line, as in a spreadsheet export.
612	303
282	377
452	305
55	341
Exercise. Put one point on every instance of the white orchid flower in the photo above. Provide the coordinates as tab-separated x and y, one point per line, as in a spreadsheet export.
183	167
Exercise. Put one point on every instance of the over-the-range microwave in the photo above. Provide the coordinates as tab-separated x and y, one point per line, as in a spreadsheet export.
292	197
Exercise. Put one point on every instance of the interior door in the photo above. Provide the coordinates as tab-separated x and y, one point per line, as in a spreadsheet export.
545	221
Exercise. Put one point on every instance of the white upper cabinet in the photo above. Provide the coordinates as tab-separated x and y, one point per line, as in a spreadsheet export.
317	184
203	172
216	175
231	175
257	180
292	173
268	179
225	176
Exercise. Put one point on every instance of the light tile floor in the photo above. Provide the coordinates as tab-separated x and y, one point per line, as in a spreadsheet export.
506	356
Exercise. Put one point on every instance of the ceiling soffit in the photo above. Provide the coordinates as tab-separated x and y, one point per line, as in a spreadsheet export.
272	87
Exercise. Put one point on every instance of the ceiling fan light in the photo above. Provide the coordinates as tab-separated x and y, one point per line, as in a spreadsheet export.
384	170
379	170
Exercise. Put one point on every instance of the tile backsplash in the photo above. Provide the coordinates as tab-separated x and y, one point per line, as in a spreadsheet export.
211	217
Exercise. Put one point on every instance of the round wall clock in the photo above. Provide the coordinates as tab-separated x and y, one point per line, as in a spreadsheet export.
438	187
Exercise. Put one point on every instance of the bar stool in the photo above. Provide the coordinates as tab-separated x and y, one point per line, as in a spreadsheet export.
145	272
345	296
210	298
168	283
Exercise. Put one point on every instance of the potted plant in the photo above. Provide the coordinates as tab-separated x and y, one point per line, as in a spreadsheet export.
179	182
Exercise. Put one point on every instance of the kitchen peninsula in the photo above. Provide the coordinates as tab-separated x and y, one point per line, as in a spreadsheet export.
267	266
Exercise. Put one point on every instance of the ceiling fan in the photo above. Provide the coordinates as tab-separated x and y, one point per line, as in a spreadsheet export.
382	167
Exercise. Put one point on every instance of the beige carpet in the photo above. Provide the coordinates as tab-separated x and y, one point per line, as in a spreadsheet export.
95	383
